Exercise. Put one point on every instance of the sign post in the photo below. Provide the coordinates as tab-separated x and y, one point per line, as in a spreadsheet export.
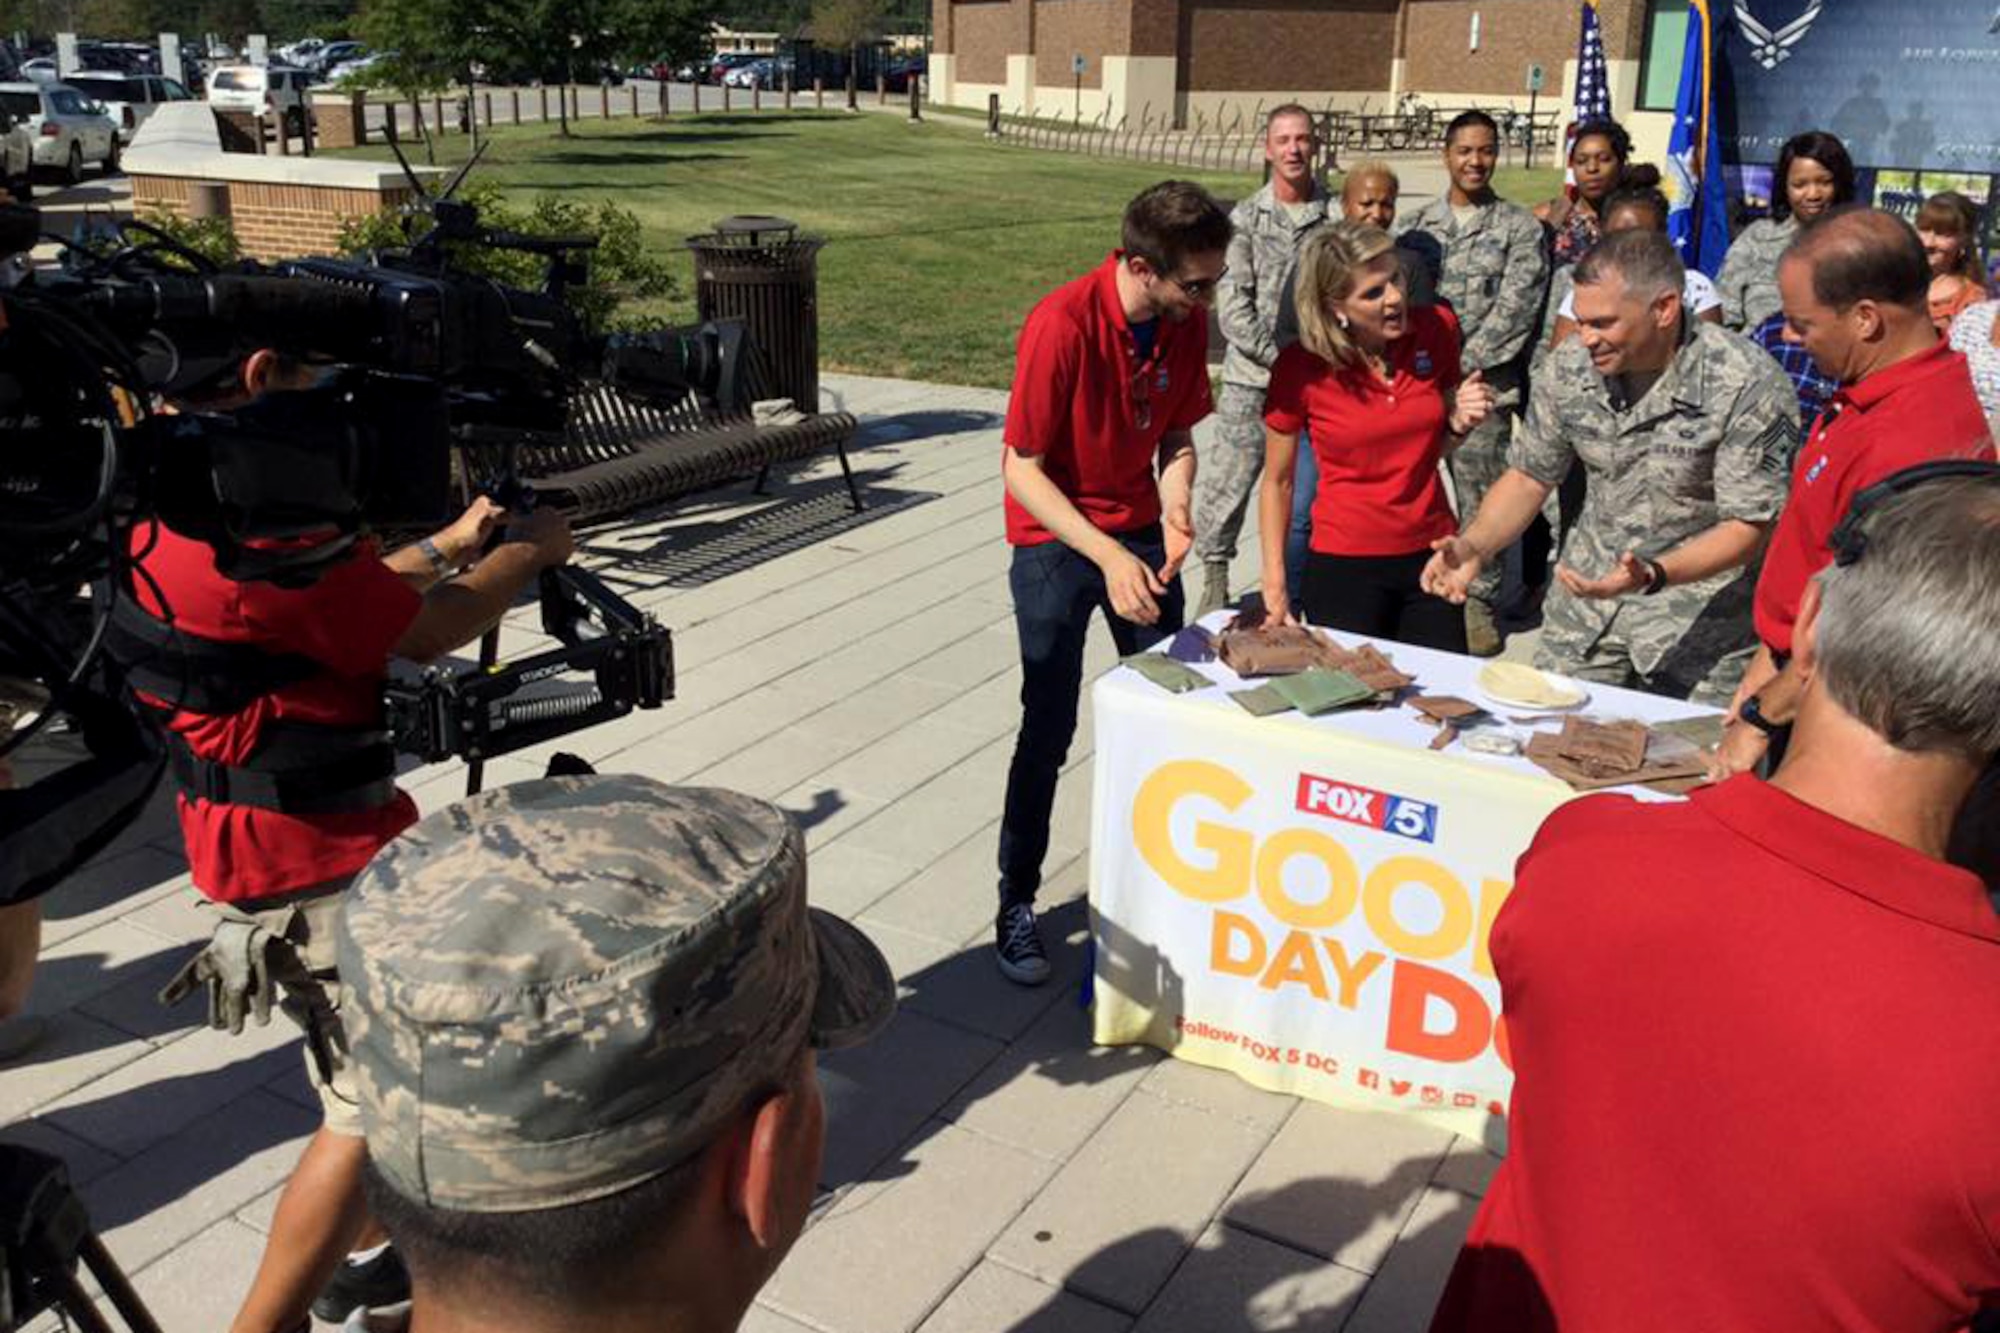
1076	67
1537	76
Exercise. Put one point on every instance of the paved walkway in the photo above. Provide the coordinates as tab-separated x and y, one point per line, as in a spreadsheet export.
1006	1176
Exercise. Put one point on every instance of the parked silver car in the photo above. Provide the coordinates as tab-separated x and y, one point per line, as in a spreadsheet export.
70	130
128	98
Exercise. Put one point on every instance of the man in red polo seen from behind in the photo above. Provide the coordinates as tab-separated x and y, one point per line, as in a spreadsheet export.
1756	1034
1110	376
1855	287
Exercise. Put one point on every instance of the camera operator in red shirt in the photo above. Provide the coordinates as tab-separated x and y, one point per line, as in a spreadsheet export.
272	702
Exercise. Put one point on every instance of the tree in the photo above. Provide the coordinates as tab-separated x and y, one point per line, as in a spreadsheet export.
292	19
847	23
673	32
230	17
550	41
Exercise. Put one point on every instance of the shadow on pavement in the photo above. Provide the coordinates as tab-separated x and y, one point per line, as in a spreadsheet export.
1237	1277
694	554
900	427
963	1030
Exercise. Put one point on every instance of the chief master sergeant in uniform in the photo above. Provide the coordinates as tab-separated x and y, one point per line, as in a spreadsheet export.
1686	432
1270	227
584	1014
1496	276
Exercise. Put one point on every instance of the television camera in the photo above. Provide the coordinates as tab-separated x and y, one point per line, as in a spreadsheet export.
432	375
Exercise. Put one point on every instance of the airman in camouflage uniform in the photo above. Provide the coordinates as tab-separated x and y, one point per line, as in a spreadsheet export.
1686	433
1496	277
1712	439
1749	278
1263	250
563	988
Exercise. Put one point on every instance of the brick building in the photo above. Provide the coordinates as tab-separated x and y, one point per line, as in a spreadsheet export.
1204	59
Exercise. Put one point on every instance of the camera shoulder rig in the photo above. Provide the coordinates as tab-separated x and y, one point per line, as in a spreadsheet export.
479	713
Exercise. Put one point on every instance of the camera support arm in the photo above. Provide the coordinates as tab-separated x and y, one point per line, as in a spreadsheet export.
474	713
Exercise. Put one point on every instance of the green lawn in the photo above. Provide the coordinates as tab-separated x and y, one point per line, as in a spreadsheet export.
938	242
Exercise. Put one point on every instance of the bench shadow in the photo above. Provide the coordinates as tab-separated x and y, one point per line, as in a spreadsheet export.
684	551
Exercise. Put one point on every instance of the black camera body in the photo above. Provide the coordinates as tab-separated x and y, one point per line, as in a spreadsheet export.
432	374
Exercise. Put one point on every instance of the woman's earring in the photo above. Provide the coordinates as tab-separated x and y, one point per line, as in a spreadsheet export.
1342	320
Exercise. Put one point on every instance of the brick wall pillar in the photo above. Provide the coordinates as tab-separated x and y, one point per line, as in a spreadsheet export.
341	122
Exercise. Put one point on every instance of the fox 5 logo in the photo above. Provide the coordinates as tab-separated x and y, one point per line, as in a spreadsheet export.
1404	816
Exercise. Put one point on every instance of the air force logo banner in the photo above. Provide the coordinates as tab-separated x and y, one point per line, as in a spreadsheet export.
1772	47
1906	84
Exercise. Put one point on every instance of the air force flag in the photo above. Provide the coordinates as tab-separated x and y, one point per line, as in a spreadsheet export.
1699	218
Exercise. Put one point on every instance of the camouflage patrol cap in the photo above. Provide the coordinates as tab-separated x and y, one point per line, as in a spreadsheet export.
559	989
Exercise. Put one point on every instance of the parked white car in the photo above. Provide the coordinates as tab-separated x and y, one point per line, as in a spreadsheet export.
262	90
41	69
128	98
17	158
70	131
359	66
302	52
332	55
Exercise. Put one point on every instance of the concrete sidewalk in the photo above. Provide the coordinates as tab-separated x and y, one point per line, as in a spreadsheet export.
1006	1176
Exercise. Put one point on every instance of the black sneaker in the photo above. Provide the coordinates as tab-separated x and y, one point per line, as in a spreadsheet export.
1018	943
381	1281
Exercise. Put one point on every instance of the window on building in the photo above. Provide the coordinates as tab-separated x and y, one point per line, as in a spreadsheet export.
1666	42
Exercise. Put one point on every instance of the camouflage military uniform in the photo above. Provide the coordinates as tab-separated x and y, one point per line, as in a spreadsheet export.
562	988
1262	253
1496	277
1713	439
1749	278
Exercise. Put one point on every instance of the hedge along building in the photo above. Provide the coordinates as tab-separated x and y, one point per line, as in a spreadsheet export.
1204	60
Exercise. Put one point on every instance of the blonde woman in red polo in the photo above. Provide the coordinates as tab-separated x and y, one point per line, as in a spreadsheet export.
1378	382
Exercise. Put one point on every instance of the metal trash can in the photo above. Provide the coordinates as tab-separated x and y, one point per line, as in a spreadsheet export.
761	271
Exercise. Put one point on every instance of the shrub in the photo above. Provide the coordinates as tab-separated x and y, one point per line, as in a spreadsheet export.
621	267
214	239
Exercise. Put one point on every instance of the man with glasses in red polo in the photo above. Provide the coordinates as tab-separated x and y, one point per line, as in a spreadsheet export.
1110	377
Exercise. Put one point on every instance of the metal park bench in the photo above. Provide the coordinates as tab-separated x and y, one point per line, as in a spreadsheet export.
622	455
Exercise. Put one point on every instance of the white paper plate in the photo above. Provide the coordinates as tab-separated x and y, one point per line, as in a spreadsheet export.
1507	704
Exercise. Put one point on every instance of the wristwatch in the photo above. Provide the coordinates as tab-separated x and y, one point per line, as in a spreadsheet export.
1656	576
440	566
1754	715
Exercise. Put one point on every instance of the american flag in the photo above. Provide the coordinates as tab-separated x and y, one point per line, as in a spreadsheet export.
1593	76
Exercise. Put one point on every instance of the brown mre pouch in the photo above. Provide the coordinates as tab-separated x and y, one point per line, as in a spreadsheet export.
1603	749
1269	650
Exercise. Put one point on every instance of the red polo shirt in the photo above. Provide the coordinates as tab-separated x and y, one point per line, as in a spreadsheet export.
1092	410
1913	412
349	620
1757	1056
1377	443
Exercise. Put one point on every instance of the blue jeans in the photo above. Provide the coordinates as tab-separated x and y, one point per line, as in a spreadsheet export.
1305	485
1055	591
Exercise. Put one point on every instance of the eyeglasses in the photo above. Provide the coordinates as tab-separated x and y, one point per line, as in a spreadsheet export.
1197	288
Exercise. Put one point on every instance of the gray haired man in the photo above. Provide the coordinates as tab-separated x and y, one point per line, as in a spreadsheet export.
1270	226
584	1015
1764	947
1686	432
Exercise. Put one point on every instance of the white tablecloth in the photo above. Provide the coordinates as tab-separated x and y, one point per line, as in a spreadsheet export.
1306	901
